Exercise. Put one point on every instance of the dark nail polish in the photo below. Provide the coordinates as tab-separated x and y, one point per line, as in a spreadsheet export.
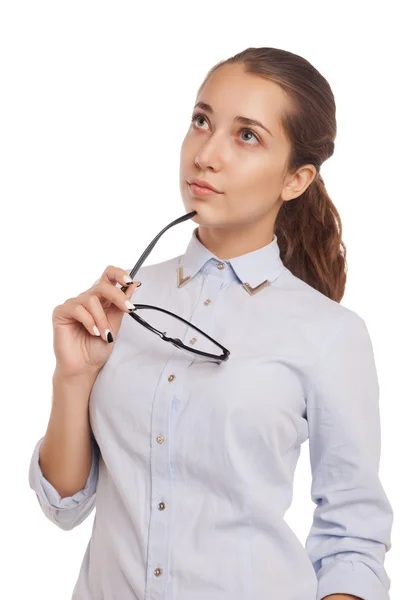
110	338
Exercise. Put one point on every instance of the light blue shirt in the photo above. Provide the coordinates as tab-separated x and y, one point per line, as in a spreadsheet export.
197	459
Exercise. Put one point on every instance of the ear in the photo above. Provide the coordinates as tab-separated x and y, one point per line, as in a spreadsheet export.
299	182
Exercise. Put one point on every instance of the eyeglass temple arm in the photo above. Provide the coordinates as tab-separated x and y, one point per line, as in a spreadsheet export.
153	243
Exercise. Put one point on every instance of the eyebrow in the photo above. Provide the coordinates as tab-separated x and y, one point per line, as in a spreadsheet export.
238	119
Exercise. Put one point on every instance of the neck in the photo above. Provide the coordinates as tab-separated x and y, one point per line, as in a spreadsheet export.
228	243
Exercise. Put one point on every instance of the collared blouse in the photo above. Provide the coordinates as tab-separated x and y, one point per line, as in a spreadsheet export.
193	461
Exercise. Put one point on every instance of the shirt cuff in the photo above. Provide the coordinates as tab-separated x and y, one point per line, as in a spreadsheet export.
355	578
49	495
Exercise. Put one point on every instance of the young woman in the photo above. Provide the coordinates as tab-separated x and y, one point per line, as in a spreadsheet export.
188	448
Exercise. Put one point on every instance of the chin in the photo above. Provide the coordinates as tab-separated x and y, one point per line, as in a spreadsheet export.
196	218
205	212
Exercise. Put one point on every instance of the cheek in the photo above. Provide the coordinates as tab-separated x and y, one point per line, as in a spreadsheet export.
183	153
254	170
187	155
255	182
184	145
188	146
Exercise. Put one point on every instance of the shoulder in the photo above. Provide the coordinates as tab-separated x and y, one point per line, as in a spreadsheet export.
311	306
327	331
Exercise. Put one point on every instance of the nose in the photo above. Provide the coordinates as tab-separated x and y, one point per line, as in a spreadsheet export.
209	155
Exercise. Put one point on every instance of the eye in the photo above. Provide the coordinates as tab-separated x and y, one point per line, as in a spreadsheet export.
251	133
200	115
196	116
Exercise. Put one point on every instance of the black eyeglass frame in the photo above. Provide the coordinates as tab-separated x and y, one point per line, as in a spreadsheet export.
174	341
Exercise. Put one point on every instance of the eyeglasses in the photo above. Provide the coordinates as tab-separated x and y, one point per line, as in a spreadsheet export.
172	318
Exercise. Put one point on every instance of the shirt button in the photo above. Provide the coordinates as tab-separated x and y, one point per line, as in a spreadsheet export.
221	265
207	302
171	377
157	571
161	506
160	439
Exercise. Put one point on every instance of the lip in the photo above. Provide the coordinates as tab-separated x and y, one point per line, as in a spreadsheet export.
204	184
197	191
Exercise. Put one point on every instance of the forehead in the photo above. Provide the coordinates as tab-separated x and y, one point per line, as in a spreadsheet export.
231	91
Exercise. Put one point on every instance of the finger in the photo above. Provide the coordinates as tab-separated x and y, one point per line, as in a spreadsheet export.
116	275
114	295
81	314
93	306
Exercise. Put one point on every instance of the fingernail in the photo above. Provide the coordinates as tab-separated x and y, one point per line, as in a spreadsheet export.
128	279
109	337
96	331
129	304
138	284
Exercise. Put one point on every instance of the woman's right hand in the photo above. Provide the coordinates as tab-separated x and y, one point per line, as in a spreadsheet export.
79	351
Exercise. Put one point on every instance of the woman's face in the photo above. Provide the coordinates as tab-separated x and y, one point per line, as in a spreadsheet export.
244	162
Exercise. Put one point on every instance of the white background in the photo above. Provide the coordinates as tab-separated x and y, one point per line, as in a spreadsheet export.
95	100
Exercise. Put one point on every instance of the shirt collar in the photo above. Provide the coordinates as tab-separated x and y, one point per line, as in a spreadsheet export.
252	269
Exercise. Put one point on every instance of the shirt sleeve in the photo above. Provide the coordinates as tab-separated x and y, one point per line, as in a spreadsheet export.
353	518
68	512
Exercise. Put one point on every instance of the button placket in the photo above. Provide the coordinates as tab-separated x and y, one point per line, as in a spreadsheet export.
158	546
224	278
210	288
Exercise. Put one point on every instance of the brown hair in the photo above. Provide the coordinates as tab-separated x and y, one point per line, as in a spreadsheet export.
309	227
